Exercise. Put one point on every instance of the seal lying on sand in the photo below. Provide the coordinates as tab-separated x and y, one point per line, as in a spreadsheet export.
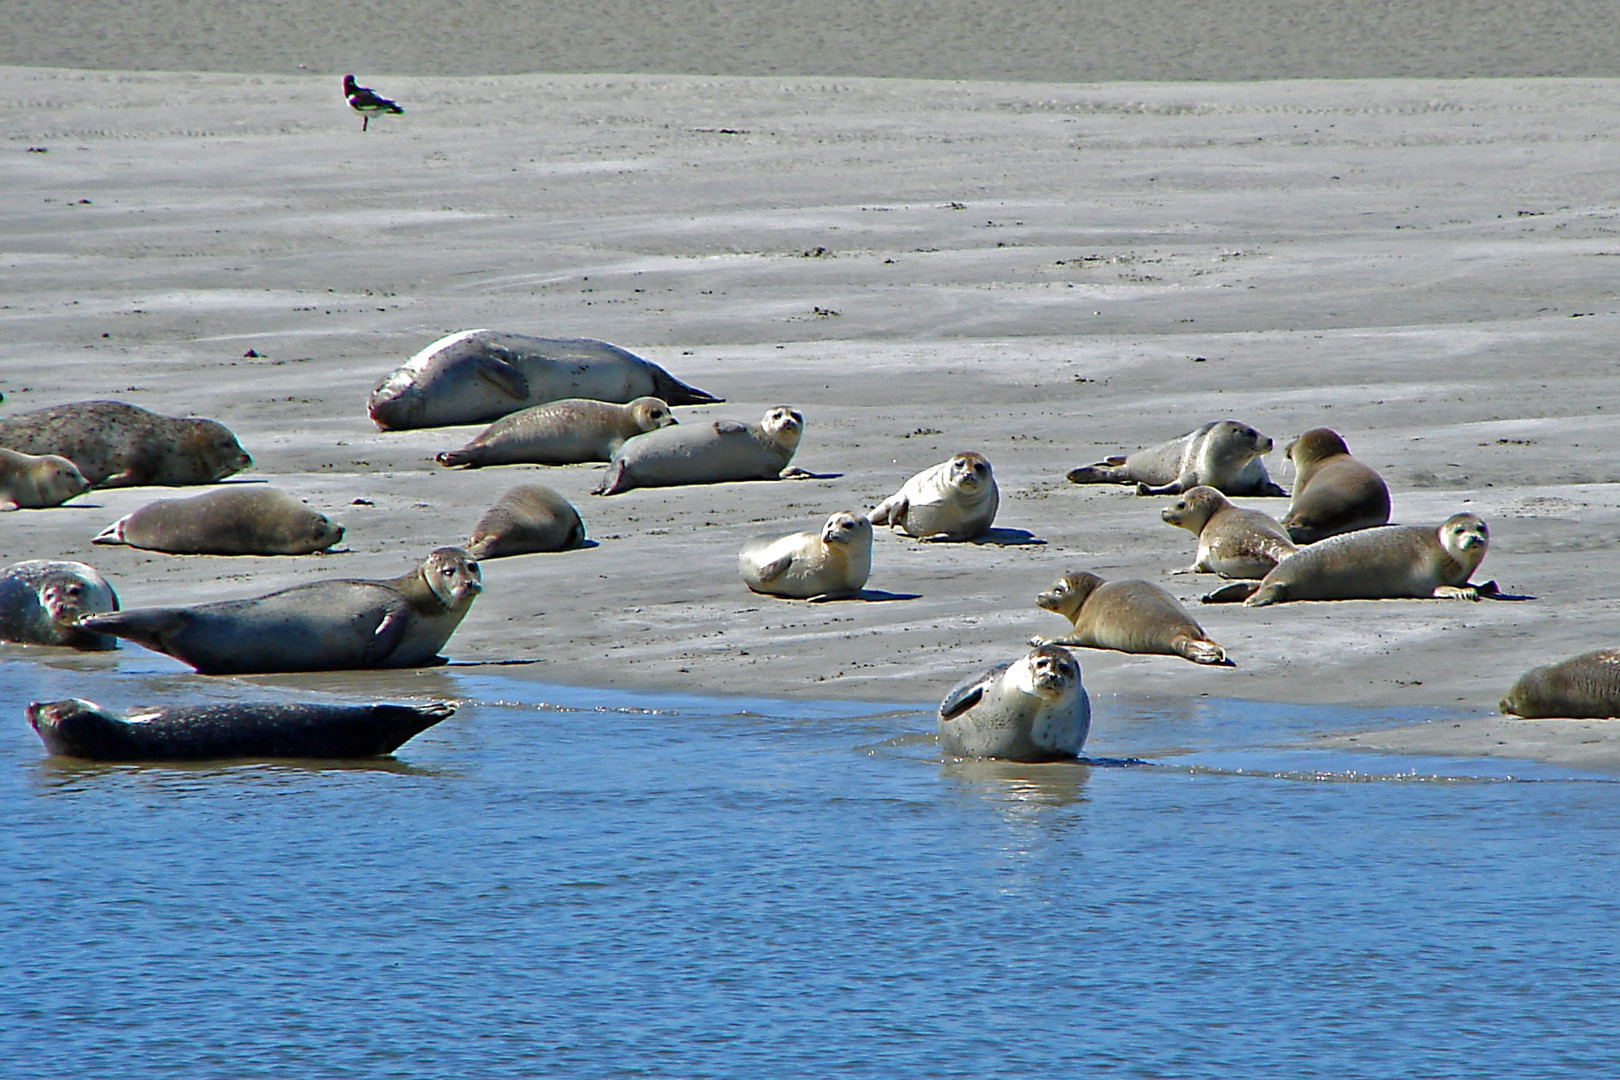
1585	687
30	482
236	520
41	602
825	565
475	376
83	729
1030	709
1130	616
1232	542
954	500
561	433
1223	454
321	626
119	445
528	518
1391	561
712	453
1333	492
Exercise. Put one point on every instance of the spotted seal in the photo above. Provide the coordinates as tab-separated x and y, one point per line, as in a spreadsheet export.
1131	616
234	520
119	445
1030	709
563	432
826	565
711	453
42	600
1223	454
1584	687
954	500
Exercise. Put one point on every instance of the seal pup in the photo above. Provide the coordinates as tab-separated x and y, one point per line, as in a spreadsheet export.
1030	709
528	518
237	520
367	102
34	482
954	500
1223	454
1232	542
41	602
1584	687
83	729
477	376
1388	562
564	432
119	445
1333	492
319	626
1131	616
815	566
711	453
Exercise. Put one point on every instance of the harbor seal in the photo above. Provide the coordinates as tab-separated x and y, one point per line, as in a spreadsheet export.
476	376
1130	616
563	432
711	453
1389	562
83	729
1223	454
41	602
528	518
235	520
954	500
321	626
1232	542
119	445
1584	687
1030	709
815	566
1333	492
34	482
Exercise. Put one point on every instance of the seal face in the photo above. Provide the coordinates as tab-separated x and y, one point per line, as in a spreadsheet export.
1030	709
226	521
1584	687
528	518
563	432
954	500
1223	454
1333	492
1131	616
41	602
83	729
119	445
1232	541
826	565
30	482
712	453
476	376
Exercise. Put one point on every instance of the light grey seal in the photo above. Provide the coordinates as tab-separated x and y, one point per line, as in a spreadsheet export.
825	565
1333	492
954	500
1030	709
41	602
561	433
119	445
1389	562
321	626
83	729
528	518
235	520
1223	454
1131	616
475	376
34	482
1584	687
1232	542
712	453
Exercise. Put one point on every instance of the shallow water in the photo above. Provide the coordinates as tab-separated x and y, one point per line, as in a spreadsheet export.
590	883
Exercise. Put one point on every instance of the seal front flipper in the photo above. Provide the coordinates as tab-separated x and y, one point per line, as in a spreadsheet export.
503	376
961	700
151	627
890	511
730	427
775	568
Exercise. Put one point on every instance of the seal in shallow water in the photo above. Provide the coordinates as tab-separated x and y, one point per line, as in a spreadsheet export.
825	565
954	500
1333	492
119	445
1130	616
1223	454
528	518
1584	687
1232	541
34	482
1030	709
42	600
234	520
712	453
563	432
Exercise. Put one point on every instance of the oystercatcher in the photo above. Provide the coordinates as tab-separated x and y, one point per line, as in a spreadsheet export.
366	102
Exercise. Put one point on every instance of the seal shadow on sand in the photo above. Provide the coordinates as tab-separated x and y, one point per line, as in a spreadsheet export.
874	596
1007	538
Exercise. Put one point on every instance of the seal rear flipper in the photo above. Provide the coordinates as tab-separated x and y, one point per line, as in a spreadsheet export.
150	627
112	534
503	376
612	480
960	701
675	392
451	458
1109	470
1235	593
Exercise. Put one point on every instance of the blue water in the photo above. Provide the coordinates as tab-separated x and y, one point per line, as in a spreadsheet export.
586	883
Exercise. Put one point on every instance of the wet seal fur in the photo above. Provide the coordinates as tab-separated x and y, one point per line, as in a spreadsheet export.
235	520
1584	687
711	453
1389	562
827	565
1130	616
476	376
83	729
41	602
526	519
1030	709
565	432
1333	492
35	482
954	500
1232	541
321	626
119	445
1223	454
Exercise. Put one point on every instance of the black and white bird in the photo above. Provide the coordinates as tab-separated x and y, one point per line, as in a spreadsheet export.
367	103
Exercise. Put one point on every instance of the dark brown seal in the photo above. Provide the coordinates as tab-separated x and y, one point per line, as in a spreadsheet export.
119	445
1333	492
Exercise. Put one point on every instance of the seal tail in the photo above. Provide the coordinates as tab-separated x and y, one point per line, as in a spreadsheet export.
451	458
143	626
675	392
112	534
